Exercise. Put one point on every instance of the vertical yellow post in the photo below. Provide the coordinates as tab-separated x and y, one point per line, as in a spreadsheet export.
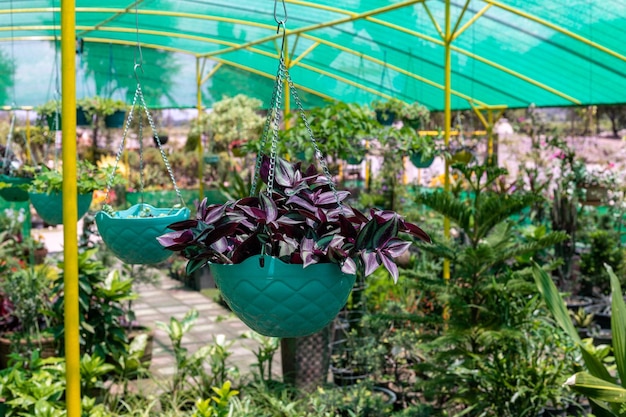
447	120
489	128
29	157
200	150
70	209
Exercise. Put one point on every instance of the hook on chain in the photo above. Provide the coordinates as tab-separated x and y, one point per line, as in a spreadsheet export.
135	68
280	21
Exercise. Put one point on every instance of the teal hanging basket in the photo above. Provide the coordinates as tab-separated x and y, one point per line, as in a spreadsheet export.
419	161
12	191
115	120
131	234
283	300
50	206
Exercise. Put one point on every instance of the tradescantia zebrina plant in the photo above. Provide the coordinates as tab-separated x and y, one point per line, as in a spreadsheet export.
304	221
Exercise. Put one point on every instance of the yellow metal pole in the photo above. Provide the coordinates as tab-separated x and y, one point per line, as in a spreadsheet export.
70	209
29	157
447	120
490	136
200	150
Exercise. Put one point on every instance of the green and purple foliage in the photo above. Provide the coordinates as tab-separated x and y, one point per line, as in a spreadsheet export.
303	221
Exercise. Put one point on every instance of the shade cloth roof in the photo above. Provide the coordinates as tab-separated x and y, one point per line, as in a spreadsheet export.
504	52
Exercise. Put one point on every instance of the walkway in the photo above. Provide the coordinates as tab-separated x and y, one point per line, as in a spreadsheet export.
170	298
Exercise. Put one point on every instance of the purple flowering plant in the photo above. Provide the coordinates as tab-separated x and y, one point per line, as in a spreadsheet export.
303	221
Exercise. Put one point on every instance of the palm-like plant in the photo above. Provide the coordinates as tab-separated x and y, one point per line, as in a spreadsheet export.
487	299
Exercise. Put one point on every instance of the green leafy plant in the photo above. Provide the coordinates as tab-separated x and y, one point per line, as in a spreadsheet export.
191	381
606	391
102	295
489	315
302	222
89	178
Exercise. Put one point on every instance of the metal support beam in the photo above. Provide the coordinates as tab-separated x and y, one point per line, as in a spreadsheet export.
70	208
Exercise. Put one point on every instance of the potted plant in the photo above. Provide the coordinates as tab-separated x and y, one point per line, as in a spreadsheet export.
26	300
14	176
387	111
421	150
46	194
414	115
112	111
301	229
107	326
50	114
131	234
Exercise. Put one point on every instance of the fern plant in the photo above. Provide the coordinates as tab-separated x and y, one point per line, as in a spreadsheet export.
490	308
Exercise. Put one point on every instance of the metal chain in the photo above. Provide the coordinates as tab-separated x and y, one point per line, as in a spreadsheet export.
270	121
120	149
263	141
141	167
155	135
275	127
318	152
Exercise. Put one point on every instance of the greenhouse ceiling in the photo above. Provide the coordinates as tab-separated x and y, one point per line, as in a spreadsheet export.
511	53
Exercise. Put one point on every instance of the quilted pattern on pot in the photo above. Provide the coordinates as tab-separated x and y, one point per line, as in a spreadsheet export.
283	300
131	234
50	206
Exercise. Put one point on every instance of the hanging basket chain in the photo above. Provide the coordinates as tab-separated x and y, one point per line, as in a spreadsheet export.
158	140
272	121
141	166
120	149
318	153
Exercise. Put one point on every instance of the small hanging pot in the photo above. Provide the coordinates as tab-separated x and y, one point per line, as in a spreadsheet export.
131	234
283	300
115	120
13	192
49	206
419	160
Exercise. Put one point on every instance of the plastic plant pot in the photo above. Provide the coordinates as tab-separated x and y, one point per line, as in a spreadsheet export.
283	300
419	161
14	193
50	206
115	120
131	234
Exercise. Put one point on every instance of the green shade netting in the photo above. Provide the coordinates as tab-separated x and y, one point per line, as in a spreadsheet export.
506	53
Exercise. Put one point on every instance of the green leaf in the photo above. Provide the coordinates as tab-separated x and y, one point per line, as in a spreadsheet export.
557	307
596	388
618	324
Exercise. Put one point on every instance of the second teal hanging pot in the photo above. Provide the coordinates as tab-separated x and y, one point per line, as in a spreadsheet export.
283	300
49	206
131	234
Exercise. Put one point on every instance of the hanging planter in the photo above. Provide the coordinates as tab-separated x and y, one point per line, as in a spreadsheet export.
131	234
12	188
83	118
53	121
283	300
49	206
385	117
460	156
420	160
115	120
286	258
